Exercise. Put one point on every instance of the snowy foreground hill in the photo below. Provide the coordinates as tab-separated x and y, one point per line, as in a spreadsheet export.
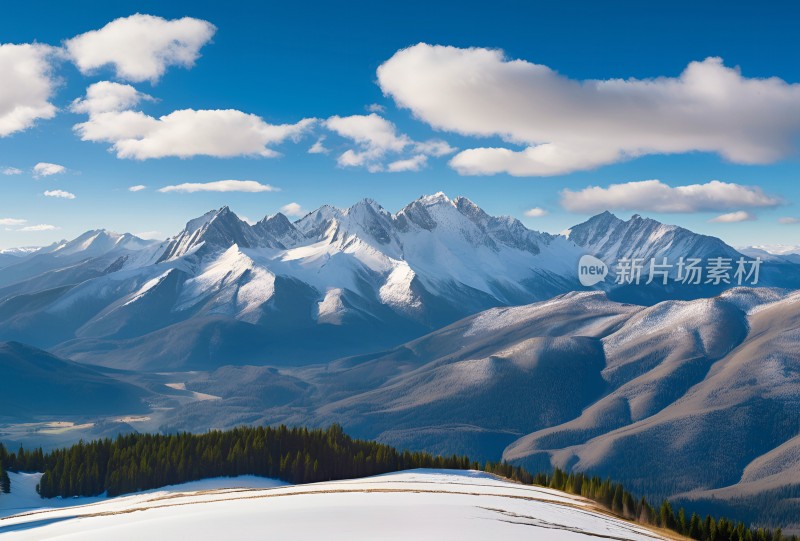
417	504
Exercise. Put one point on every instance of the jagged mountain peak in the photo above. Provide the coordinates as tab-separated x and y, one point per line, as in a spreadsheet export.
609	237
277	231
439	198
214	230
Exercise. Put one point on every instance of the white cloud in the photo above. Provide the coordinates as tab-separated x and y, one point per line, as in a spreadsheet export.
375	108
220	186
788	220
434	147
38	227
137	188
375	138
293	209
188	132
12	221
655	196
141	47
319	147
569	125
733	217
27	86
106	96
151	235
536	212
44	169
59	193
370	131
12	171
415	163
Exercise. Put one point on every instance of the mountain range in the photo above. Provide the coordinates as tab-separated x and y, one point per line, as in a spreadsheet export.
341	282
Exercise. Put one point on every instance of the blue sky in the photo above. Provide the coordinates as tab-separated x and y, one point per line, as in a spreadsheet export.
285	63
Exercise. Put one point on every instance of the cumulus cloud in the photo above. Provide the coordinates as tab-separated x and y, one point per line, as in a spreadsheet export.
375	108
137	188
656	196
38	227
733	217
415	163
106	96
434	147
371	131
220	186
568	125
293	209
12	221
376	138
12	171
59	193
536	212
44	169
319	147
27	86
788	220
188	132
140	47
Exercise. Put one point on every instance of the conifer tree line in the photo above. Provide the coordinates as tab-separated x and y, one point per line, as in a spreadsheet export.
136	462
5	482
614	497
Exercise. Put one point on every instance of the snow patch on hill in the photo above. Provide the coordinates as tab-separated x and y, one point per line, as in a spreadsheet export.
418	504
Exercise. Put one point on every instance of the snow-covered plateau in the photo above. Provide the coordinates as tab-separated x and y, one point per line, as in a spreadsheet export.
416	504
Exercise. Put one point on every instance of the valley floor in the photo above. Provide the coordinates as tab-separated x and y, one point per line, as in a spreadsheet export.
417	504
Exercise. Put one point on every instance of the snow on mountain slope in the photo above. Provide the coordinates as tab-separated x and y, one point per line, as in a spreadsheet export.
733	406
610	239
348	281
651	360
479	373
355	269
418	504
90	255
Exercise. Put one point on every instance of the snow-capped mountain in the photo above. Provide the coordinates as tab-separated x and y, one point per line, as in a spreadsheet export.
781	253
336	282
610	238
653	243
9	256
346	280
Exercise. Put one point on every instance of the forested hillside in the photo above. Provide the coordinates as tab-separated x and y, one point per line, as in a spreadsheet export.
138	462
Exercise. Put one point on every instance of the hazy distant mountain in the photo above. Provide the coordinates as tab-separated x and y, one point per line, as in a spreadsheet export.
776	253
9	256
37	385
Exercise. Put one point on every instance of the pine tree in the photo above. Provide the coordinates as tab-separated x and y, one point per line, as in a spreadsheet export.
5	481
667	517
695	530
